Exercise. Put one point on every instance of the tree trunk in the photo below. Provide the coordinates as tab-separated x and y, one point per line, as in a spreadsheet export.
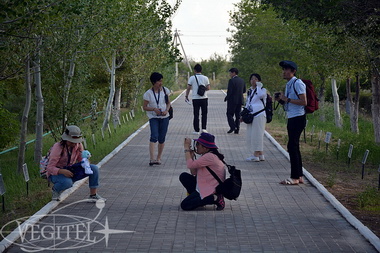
376	100
321	97
67	88
338	118
116	108
25	116
40	107
111	96
354	105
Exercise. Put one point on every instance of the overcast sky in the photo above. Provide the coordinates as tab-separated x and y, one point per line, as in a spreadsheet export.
202	26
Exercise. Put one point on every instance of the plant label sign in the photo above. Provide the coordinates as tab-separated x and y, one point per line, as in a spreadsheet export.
26	172
328	137
2	188
350	150
365	156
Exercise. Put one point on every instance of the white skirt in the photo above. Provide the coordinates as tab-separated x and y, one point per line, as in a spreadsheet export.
255	133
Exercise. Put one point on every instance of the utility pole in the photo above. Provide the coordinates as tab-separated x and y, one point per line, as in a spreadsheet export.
176	36
175	43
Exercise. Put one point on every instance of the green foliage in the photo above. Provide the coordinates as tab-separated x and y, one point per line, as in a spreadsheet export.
369	199
259	43
9	127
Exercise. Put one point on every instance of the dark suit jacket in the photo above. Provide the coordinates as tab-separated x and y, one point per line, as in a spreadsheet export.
235	90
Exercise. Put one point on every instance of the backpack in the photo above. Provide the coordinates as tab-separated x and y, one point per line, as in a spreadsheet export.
311	96
201	88
268	108
231	187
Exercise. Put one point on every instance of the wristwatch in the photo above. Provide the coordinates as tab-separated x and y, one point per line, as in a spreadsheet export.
187	150
288	100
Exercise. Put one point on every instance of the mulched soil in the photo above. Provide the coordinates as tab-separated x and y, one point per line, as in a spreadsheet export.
344	185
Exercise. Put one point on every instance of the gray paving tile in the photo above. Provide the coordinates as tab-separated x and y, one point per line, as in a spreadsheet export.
267	217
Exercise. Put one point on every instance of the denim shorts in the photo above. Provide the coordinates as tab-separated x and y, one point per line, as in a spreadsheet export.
158	129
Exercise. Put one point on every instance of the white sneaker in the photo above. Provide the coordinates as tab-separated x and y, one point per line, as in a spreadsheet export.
253	159
55	195
262	157
95	198
204	131
197	133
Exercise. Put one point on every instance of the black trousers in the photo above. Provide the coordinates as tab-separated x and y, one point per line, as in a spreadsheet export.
233	110
295	127
201	104
193	200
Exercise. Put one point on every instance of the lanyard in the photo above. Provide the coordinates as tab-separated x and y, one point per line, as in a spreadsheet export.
253	93
157	99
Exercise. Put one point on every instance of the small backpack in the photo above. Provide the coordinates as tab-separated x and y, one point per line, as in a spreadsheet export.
231	187
268	108
311	96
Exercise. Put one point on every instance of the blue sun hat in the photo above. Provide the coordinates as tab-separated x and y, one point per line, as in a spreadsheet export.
207	140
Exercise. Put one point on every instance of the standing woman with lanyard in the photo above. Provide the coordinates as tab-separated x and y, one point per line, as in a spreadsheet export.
255	130
157	105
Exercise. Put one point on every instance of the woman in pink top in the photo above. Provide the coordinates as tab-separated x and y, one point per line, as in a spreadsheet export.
65	154
199	183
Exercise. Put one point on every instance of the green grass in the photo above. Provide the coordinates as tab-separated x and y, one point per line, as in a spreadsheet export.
369	199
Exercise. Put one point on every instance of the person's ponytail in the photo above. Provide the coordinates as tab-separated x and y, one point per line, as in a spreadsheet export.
216	152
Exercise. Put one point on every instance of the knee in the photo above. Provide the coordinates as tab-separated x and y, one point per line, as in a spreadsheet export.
185	207
94	168
182	176
153	139
66	183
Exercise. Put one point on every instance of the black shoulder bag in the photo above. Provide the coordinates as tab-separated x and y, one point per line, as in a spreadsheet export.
231	187
201	88
167	102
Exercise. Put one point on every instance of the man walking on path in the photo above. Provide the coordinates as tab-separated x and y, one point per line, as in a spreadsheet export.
236	88
294	101
199	102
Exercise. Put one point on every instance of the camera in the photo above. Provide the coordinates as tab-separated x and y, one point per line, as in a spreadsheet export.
277	94
193	145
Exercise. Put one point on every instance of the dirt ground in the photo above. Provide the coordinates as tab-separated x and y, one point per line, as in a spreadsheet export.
345	186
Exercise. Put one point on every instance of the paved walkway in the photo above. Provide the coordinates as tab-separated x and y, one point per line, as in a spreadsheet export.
268	217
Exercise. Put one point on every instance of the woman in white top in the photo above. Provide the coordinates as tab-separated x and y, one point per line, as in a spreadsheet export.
157	105
256	99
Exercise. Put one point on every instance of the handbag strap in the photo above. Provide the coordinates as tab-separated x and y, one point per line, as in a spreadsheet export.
214	174
196	79
166	96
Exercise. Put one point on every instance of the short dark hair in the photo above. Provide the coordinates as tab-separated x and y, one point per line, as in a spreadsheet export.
234	70
155	77
198	67
256	75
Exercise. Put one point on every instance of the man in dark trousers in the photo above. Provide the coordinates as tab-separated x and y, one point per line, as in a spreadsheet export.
294	101
234	99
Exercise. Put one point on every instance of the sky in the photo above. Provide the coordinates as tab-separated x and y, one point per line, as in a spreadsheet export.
202	26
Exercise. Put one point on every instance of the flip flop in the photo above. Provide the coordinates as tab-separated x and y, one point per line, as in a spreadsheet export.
288	181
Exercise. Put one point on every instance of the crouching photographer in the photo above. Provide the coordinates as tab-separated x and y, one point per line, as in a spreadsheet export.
199	183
